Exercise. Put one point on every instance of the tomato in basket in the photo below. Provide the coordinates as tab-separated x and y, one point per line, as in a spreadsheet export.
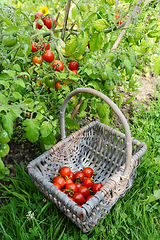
65	171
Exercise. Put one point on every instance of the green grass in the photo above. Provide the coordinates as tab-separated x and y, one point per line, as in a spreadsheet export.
135	216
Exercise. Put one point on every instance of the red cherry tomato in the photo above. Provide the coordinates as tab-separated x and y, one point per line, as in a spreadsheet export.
65	171
68	180
57	186
64	191
75	72
78	184
38	60
38	15
88	172
90	196
71	189
48	22
88	182
39	26
57	66
96	187
34	48
84	190
48	56
79	198
45	46
71	176
58	85
73	65
79	176
60	180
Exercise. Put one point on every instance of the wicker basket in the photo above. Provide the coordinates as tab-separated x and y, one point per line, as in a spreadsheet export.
114	157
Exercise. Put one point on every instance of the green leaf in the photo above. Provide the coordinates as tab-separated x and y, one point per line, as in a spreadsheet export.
17	95
156	62
154	34
94	84
5	19
157	193
49	141
2	167
96	41
15	111
32	129
8	123
89	18
11	30
3	99
46	129
17	67
128	67
108	71
20	82
100	24
11	73
4	76
71	124
84	105
4	83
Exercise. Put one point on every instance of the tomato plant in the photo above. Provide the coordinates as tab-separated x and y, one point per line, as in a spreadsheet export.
38	25
57	65
74	101
75	71
73	65
34	48
48	56
38	60
49	81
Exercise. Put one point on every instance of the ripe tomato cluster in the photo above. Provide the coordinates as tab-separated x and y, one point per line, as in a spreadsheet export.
47	21
121	21
79	186
73	66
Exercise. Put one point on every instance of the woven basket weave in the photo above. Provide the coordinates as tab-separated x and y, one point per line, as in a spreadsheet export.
114	157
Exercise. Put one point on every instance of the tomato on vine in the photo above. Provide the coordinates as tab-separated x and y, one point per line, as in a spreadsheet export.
48	56
38	15
50	82
75	72
34	48
38	25
58	85
58	66
74	101
48	22
38	60
73	65
9	41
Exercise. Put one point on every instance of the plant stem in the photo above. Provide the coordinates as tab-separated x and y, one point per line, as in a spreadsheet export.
65	19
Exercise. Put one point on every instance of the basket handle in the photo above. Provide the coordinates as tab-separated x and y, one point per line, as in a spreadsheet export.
115	109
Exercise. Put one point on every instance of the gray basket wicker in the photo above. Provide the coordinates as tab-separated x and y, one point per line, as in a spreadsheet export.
114	157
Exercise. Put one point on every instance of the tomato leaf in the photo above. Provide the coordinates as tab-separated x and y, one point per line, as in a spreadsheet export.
100	24
156	62
8	123
46	129
71	124
11	30
128	67
96	41
20	82
3	99
32	129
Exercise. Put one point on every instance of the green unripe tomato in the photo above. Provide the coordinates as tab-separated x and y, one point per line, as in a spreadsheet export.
109	85
4	136
83	7
9	41
50	82
4	149
74	101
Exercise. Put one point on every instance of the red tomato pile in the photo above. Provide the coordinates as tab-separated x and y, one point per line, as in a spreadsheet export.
79	186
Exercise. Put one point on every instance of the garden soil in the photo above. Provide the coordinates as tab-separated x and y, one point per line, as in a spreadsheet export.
22	152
